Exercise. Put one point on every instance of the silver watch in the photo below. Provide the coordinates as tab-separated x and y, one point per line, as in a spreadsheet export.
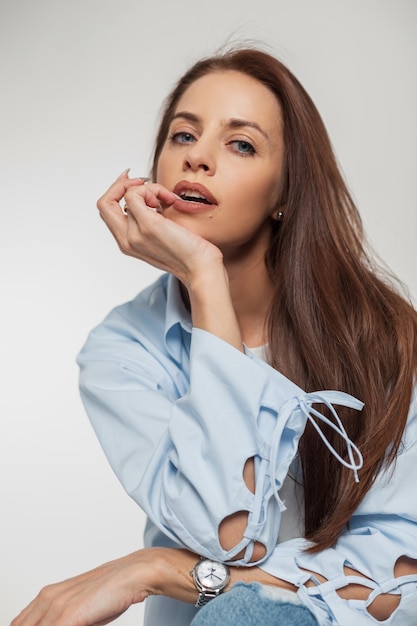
210	578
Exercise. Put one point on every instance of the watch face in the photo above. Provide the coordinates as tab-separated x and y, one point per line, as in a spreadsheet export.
211	574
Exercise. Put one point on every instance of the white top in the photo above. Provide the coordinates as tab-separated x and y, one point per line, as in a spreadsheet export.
291	492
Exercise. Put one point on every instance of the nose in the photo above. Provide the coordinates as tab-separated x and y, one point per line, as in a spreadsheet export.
200	156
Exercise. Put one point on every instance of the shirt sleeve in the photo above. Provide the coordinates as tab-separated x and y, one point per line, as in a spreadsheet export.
182	458
383	529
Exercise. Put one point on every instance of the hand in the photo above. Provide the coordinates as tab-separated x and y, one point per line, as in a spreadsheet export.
147	235
101	595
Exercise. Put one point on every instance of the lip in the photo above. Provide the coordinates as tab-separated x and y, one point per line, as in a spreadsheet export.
186	206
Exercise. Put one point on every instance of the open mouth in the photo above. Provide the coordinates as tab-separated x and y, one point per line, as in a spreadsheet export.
195	194
194	197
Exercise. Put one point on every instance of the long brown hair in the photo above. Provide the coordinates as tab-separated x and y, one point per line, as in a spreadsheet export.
337	321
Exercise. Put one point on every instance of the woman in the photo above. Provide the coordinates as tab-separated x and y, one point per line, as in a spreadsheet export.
206	391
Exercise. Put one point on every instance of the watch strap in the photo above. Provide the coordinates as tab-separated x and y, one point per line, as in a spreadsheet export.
207	595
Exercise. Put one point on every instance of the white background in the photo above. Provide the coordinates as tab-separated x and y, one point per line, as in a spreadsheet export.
81	86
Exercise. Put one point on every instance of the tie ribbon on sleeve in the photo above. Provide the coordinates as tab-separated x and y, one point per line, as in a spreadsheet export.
304	404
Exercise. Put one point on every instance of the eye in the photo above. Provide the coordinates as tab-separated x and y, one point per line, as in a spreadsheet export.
242	147
182	137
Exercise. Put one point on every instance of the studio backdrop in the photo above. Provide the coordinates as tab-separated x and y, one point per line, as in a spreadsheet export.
82	84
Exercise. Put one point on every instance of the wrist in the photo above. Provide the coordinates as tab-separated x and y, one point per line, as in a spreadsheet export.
212	307
171	571
205	277
210	579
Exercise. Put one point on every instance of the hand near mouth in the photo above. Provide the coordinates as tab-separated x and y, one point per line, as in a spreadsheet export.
144	233
195	194
155	197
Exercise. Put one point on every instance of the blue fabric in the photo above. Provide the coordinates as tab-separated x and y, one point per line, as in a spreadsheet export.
249	605
178	412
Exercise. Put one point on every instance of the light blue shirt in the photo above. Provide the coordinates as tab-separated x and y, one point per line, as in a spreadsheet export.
178	412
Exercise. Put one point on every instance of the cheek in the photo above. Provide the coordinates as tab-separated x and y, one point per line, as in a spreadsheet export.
272	193
163	167
159	169
261	185
262	196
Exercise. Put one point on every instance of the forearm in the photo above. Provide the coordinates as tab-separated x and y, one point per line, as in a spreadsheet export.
173	567
211	304
212	310
104	593
223	382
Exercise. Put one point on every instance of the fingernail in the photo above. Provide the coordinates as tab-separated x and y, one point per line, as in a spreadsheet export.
143	179
125	173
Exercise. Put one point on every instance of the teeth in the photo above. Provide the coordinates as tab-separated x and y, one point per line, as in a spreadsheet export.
193	196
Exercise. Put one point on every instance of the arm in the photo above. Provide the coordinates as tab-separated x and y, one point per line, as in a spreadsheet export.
196	263
103	594
171	447
199	266
146	235
162	443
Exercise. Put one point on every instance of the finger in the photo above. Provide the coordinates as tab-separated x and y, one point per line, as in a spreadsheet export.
45	607
117	190
144	203
34	613
154	196
124	174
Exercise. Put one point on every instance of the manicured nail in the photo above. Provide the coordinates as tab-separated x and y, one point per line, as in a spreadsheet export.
125	173
143	179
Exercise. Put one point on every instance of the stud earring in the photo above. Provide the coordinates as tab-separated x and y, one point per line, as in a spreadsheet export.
278	216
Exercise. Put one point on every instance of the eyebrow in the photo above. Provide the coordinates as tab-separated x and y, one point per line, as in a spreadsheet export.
234	122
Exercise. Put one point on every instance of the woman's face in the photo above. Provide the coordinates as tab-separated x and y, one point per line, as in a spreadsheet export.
224	156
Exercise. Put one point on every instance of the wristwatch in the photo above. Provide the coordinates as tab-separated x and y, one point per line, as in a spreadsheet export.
210	578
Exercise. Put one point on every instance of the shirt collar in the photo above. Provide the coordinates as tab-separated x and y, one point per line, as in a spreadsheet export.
177	319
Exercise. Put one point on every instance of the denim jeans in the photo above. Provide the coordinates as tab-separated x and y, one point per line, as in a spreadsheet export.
254	604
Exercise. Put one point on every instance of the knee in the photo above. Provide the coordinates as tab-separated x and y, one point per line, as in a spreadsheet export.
254	605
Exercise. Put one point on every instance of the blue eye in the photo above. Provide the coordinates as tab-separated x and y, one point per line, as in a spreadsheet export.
243	147
182	137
